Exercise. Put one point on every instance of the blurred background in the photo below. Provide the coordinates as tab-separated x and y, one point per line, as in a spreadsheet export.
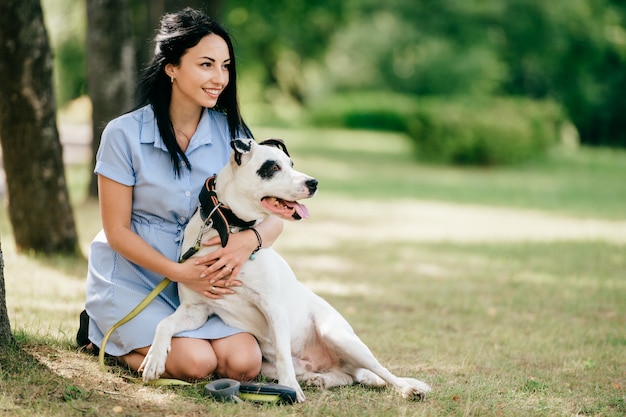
484	85
476	71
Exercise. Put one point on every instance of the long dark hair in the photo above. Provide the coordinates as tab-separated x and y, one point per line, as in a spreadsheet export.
177	33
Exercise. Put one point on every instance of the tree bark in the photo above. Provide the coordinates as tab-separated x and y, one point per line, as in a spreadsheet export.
6	336
111	71
39	205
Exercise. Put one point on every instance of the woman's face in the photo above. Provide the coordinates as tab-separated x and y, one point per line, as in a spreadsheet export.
202	74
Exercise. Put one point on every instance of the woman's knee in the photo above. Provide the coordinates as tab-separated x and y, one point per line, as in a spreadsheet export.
191	359
238	356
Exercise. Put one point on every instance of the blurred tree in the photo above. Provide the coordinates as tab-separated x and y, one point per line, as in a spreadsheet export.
427	47
66	24
39	206
284	41
110	66
573	51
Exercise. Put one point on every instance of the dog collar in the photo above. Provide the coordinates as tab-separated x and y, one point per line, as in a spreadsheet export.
222	217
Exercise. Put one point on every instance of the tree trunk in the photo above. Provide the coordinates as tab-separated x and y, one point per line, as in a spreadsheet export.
110	66
39	206
6	336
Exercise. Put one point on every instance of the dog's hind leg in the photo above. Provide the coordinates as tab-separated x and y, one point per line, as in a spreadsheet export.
368	378
186	317
345	343
332	378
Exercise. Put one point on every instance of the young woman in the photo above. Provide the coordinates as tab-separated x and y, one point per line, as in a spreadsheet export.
151	166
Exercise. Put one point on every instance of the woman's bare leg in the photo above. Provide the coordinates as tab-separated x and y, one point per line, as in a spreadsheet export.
189	359
237	357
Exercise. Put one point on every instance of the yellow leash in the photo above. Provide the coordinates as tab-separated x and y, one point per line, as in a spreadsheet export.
143	304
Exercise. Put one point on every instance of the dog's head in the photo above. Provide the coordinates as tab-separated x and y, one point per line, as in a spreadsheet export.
260	180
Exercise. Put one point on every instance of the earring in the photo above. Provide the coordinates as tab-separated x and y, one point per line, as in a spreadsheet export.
172	79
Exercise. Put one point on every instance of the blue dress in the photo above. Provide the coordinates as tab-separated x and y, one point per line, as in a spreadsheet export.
132	153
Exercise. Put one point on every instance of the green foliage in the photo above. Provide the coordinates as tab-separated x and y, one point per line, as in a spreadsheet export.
466	131
376	110
416	47
70	70
573	52
570	51
66	23
484	132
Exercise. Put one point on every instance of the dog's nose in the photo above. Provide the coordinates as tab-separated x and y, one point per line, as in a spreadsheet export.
311	185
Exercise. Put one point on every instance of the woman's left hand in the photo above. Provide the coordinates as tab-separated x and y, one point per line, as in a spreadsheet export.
223	264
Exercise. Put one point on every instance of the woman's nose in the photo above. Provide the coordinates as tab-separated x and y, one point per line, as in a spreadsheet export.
220	76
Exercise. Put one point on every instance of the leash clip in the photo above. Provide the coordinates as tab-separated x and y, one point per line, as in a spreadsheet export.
225	390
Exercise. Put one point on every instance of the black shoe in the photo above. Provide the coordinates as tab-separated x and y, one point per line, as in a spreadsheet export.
82	337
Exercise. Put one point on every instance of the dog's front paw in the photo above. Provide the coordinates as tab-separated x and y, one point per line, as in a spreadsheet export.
153	365
300	397
299	393
294	385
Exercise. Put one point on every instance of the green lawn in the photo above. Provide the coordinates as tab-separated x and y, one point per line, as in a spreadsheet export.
499	327
587	183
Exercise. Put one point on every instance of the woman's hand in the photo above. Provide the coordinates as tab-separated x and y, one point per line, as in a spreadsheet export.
193	276
223	264
221	267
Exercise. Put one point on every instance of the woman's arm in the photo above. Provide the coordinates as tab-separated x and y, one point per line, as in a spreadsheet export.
116	202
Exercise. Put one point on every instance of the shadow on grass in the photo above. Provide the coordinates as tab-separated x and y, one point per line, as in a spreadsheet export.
28	387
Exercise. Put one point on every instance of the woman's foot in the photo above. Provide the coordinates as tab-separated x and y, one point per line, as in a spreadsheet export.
82	337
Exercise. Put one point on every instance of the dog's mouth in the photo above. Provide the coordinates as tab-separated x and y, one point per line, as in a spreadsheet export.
288	210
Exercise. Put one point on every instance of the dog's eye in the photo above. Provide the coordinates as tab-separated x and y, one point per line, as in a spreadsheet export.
268	169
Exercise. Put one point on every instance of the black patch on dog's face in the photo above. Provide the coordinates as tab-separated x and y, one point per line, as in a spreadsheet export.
268	169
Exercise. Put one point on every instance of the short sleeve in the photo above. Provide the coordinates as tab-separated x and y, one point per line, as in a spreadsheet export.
114	156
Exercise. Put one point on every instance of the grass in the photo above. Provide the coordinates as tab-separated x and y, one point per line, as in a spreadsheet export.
499	327
366	164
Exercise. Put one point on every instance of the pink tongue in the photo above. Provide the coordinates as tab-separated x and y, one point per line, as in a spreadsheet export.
302	210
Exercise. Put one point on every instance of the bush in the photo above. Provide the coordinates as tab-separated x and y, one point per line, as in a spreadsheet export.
468	131
490	131
364	110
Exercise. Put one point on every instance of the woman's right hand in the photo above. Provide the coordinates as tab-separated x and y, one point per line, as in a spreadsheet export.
190	274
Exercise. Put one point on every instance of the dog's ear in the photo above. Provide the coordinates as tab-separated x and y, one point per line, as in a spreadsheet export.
279	143
241	147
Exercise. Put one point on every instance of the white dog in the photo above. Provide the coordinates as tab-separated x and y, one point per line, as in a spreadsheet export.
302	337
